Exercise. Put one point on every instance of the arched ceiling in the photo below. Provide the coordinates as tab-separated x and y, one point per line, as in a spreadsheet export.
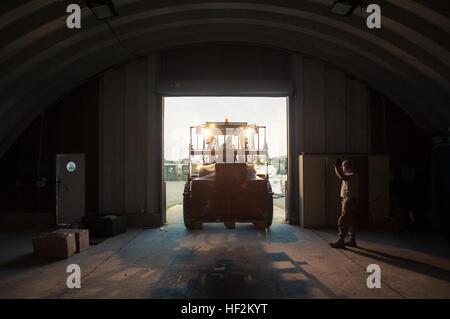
408	59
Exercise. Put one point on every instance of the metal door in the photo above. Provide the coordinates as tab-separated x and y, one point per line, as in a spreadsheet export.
70	188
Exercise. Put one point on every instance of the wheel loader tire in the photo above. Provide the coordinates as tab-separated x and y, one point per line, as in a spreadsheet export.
267	222
189	222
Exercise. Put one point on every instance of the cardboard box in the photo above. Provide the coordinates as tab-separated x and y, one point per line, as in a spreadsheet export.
60	245
81	237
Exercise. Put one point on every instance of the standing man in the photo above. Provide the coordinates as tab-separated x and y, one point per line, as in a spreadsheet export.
349	196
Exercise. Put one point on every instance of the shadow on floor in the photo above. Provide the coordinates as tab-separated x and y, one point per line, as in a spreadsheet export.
229	276
22	263
425	241
405	263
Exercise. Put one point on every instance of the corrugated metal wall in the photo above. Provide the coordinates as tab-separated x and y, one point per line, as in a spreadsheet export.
334	108
131	140
328	113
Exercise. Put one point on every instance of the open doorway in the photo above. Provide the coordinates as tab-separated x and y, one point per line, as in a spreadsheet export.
181	113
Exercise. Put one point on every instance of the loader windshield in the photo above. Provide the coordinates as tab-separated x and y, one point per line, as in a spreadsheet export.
227	142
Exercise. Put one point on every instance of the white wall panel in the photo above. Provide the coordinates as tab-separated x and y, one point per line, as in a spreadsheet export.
154	140
328	115
131	141
295	137
134	131
331	110
112	140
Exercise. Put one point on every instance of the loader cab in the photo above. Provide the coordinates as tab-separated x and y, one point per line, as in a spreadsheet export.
223	184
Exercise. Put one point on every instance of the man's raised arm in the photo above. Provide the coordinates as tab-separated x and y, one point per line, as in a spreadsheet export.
338	170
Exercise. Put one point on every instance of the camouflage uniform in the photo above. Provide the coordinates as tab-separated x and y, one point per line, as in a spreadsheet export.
349	195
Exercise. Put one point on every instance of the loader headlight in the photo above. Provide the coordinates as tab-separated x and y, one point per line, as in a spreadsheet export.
206	133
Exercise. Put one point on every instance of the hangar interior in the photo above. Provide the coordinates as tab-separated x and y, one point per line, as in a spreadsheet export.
379	96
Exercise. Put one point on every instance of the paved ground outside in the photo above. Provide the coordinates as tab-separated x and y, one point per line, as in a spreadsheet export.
174	193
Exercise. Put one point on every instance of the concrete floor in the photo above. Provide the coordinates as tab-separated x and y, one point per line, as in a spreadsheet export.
285	262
